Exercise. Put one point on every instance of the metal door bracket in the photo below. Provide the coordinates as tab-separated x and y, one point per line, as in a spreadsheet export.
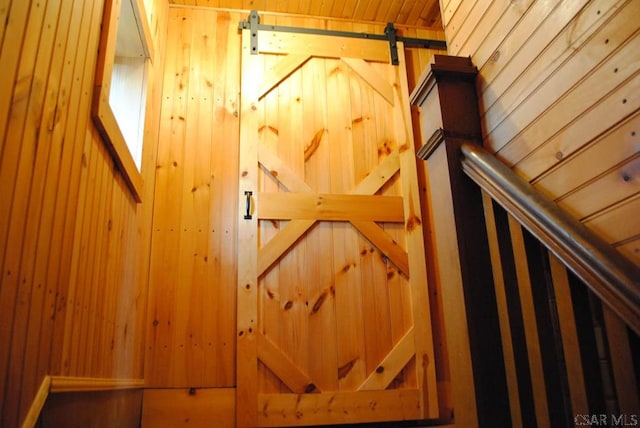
254	22
390	32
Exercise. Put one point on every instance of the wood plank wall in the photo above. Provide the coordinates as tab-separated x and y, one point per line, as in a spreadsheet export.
191	317
191	314
73	243
558	86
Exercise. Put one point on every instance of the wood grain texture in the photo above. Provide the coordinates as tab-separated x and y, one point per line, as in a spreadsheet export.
69	243
281	366
331	207
274	42
193	226
193	190
75	246
247	285
410	12
558	87
339	407
78	384
196	407
361	135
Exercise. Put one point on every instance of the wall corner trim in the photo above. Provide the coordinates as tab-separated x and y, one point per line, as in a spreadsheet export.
33	414
55	384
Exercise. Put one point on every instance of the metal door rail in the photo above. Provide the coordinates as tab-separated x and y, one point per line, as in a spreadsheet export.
390	35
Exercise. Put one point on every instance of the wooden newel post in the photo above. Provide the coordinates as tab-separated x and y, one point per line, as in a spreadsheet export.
448	109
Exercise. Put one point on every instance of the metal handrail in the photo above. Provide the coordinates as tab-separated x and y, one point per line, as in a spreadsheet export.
612	277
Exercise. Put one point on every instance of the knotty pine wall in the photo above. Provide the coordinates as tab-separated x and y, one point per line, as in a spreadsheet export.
559	88
191	316
74	246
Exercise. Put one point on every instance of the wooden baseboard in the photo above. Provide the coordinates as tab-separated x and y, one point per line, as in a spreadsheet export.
55	384
79	384
201	407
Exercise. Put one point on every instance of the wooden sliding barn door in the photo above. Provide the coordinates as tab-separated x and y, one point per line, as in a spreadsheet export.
333	311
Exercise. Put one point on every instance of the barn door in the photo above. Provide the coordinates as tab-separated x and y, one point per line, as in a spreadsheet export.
333	312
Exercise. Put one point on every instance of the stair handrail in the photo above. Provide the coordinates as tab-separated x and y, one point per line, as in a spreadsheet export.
612	277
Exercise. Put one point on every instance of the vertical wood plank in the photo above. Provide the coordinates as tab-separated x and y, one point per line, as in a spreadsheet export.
503	312
223	215
28	168
293	284
200	317
246	369
65	198
75	203
103	335
5	6
157	14
17	58
164	277
273	299
349	321
23	64
43	188
172	323
203	87
624	375
56	239
425	357
90	263
365	121
158	313
322	324
529	318
568	331
187	323
100	238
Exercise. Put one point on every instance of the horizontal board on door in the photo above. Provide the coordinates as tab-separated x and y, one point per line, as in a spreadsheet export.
338	407
330	207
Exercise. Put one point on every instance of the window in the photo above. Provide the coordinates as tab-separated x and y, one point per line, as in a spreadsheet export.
121	85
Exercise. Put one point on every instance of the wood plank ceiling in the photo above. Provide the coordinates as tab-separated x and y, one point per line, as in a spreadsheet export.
419	13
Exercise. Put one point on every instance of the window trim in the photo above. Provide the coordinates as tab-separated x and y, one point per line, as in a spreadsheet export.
101	111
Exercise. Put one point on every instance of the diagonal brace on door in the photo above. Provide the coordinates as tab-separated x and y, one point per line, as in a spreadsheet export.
253	24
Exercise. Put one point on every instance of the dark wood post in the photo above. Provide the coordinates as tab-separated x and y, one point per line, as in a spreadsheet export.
448	109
